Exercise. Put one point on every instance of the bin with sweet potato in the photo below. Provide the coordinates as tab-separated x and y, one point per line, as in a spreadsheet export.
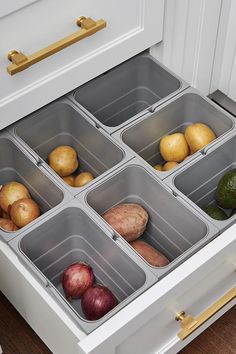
130	221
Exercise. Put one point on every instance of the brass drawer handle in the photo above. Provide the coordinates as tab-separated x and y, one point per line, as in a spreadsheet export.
189	324
21	61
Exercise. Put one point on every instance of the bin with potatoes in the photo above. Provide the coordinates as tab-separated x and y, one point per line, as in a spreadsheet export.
26	192
176	132
145	215
69	145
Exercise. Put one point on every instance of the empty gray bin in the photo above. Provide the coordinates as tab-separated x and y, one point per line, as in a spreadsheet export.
174	228
61	123
15	165
70	236
197	183
127	91
143	137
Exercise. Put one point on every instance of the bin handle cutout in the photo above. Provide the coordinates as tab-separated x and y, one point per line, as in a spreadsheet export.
21	61
190	324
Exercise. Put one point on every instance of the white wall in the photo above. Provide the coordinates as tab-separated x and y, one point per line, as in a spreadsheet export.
224	74
190	38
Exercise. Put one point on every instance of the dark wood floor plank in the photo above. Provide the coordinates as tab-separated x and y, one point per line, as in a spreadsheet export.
16	336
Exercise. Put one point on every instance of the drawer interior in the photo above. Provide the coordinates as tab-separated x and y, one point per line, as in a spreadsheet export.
175	228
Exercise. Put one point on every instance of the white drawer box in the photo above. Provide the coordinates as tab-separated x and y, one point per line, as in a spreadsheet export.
132	26
147	325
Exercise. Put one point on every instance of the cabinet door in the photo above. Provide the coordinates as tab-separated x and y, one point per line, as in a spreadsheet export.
131	27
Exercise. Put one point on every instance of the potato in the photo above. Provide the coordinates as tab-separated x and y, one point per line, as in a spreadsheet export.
129	220
7	225
174	147
83	178
69	180
198	135
63	160
149	253
158	167
170	165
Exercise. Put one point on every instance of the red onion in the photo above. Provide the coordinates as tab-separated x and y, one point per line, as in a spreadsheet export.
97	301
76	279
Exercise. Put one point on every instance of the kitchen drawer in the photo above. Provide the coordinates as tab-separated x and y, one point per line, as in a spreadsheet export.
131	27
192	287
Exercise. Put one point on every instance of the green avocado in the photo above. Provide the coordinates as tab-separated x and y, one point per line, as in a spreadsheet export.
226	190
215	213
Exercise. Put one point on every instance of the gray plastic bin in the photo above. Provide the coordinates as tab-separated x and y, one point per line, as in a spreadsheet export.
143	137
61	123
70	236
197	182
127	92
16	165
174	228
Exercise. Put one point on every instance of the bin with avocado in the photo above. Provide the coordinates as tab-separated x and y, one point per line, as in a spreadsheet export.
209	183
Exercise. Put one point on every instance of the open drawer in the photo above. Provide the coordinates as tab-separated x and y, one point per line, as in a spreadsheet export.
34	32
150	316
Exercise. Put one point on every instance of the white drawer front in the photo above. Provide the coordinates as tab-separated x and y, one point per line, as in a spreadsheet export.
148	324
145	326
132	26
32	301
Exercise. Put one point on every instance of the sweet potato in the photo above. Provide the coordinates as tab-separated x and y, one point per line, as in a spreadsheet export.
149	253
129	220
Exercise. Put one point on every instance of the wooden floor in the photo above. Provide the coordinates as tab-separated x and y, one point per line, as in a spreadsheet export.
16	337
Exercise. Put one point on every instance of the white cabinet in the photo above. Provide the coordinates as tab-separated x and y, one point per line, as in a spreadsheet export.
146	325
224	74
199	43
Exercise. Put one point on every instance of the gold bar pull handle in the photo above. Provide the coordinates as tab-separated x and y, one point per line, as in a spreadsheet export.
21	61
189	324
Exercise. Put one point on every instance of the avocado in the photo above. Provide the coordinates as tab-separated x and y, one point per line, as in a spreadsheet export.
215	213
226	190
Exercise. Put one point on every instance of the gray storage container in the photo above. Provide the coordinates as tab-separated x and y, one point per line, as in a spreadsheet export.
16	165
174	228
126	92
198	181
61	123
71	236
143	136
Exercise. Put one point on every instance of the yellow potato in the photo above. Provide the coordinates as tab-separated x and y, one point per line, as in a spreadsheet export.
69	180
169	165
174	147
82	179
198	135
63	160
158	167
